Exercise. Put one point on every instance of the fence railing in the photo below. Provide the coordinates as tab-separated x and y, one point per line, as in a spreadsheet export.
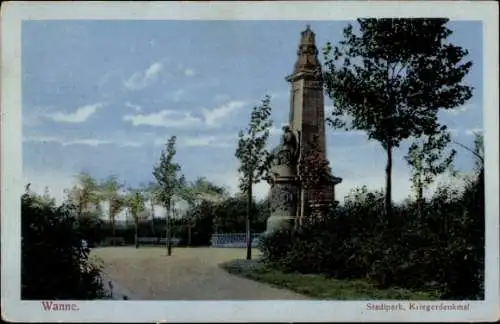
219	240
233	240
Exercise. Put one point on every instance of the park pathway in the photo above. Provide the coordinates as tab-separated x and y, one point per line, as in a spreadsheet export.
189	274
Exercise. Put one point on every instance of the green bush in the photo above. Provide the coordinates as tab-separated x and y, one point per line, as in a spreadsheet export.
440	249
54	264
275	247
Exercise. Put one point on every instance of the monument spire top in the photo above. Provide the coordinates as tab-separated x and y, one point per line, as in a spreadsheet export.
308	36
307	54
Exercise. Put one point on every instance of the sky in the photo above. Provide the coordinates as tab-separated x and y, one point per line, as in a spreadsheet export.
104	96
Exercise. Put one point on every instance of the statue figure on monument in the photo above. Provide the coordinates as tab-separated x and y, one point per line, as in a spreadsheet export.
287	152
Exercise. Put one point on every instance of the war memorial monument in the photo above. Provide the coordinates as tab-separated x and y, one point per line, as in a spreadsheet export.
292	202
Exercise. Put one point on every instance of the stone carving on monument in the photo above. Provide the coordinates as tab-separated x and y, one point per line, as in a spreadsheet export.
284	190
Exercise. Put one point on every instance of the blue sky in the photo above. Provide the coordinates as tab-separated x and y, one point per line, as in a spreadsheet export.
104	96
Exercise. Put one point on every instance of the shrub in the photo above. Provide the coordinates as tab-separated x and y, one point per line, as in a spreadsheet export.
441	248
54	264
274	247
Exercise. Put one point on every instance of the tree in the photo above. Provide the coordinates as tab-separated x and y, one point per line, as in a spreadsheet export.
150	192
85	195
202	191
110	189
54	263
137	204
166	173
427	159
41	200
392	78
477	151
254	157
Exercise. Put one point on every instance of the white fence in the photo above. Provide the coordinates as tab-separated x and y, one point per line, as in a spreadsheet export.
233	240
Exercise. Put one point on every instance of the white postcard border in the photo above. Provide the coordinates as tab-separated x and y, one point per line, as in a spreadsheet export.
13	309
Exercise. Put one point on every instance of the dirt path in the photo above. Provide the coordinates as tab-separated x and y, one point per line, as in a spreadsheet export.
189	274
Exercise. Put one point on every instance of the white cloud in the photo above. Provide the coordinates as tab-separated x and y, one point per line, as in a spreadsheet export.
171	118
165	118
81	115
130	144
189	72
214	116
93	142
41	139
140	80
153	70
459	110
136	108
473	131
199	141
209	140
90	142
47	139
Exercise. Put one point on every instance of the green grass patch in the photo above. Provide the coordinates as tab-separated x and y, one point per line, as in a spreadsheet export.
319	286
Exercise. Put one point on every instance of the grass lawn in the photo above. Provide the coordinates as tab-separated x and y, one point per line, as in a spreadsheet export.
320	287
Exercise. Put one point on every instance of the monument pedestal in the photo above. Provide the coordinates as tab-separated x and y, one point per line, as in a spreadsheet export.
276	223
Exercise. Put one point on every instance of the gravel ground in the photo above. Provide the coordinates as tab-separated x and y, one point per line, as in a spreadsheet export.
188	274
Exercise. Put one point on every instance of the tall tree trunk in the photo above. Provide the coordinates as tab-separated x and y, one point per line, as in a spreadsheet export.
112	228
420	196
248	220
189	234
153	219
136	231
388	185
169	231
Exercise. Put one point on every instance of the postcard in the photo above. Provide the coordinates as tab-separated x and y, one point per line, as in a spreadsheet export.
249	161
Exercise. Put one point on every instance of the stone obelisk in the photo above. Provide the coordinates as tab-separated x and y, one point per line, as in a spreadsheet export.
289	199
307	107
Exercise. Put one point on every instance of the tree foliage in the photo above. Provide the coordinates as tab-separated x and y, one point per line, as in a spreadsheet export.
169	180
110	190
391	77
54	264
251	151
428	157
136	202
254	158
167	174
86	195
